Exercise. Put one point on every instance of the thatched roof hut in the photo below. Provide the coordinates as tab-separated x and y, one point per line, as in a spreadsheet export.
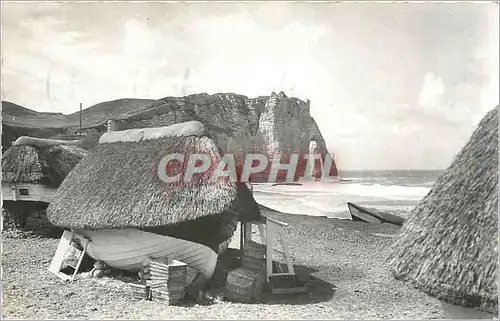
117	185
449	246
37	163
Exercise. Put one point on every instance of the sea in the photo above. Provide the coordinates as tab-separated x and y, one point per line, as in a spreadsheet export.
392	191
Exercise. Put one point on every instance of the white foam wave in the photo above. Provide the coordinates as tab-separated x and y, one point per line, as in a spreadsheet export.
396	192
323	199
387	191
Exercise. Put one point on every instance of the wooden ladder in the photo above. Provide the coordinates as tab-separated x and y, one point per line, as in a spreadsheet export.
65	243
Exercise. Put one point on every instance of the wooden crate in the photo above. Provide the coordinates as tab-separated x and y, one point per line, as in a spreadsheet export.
170	287
140	291
167	280
166	297
255	250
252	263
191	274
244	285
174	270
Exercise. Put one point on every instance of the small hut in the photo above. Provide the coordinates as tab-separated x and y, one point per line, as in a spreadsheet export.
449	246
32	170
115	198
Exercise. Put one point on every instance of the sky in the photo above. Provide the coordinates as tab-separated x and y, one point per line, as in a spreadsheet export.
391	85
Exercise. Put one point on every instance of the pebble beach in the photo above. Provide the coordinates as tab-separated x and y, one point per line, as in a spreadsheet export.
342	262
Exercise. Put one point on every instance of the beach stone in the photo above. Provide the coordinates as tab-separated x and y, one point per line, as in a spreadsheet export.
98	273
99	265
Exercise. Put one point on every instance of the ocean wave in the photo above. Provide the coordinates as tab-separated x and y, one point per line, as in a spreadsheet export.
397	195
386	191
367	190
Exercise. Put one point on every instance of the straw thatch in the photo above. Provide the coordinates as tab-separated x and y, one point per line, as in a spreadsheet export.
40	165
117	184
448	247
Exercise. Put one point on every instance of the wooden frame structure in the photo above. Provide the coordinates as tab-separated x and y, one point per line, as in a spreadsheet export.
65	243
268	228
280	282
28	192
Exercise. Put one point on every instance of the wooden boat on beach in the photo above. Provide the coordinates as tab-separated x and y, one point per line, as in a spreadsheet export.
126	249
363	214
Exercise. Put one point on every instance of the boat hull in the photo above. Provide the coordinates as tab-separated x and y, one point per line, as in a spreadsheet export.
359	213
127	249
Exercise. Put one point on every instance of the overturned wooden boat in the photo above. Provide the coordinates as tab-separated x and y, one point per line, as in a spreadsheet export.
197	243
359	213
127	249
118	199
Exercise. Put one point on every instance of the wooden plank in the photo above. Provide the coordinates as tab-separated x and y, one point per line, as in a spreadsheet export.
286	250
248	232
57	260
278	274
276	222
242	236
262	232
63	276
289	290
269	250
14	193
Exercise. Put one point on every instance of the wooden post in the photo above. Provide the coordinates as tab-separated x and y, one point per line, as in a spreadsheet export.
14	192
262	232
286	250
269	249
248	232
242	235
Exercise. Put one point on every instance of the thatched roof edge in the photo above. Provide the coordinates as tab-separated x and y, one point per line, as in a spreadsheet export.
143	134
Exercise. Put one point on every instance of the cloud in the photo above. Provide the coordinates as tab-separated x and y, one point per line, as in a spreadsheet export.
432	91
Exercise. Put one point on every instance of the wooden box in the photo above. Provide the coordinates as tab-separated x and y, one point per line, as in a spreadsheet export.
174	270
252	263
170	287
244	285
255	250
167	280
140	291
165	297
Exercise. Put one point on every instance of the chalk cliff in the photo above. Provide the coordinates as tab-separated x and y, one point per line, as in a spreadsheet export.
274	124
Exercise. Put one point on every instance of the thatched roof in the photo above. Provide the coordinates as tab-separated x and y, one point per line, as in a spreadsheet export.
449	246
50	164
117	184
